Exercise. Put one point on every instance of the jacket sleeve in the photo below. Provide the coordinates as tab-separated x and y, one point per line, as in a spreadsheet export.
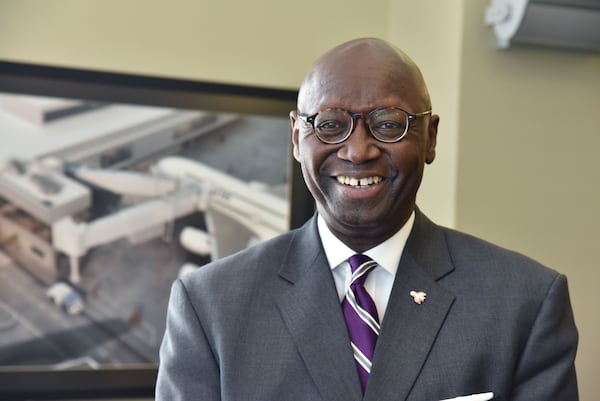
188	369
546	370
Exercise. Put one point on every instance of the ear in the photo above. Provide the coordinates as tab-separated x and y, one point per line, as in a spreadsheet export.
295	130
432	138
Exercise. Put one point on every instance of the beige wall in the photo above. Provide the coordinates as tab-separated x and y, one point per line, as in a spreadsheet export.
262	42
522	171
528	174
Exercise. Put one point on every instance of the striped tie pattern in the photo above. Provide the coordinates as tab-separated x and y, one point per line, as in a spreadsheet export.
361	316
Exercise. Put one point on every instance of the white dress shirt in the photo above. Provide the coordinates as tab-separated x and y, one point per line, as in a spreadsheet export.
387	255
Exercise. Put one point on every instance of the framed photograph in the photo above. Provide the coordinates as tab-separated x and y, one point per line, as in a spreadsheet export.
111	187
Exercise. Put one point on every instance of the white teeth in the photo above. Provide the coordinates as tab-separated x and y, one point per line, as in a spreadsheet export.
355	182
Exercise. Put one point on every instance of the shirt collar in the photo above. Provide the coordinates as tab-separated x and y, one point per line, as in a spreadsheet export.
387	254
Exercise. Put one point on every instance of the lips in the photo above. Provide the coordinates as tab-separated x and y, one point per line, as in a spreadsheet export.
359	182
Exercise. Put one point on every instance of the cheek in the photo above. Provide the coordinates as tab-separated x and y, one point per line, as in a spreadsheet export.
311	154
313	161
410	166
312	181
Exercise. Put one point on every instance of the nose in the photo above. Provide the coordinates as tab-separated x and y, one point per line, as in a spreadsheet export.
360	147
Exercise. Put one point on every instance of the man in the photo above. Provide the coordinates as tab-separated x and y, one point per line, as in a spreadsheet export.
440	314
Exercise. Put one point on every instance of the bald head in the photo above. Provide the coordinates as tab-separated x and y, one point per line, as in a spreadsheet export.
355	68
372	81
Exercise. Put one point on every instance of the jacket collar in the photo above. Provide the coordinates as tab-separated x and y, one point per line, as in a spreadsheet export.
311	311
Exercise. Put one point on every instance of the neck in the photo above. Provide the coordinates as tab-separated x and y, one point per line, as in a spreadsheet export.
361	239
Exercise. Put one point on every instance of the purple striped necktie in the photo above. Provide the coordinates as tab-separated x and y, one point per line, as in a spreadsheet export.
361	316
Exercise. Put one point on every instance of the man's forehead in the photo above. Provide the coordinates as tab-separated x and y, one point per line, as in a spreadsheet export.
351	92
357	70
357	88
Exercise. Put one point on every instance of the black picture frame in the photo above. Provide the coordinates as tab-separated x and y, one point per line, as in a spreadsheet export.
38	383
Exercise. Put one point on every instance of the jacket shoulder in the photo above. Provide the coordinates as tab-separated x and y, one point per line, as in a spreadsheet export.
498	262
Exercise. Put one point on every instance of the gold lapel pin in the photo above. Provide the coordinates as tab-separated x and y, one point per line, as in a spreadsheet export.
418	296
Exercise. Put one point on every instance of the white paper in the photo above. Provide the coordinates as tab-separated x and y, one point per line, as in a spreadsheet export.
473	397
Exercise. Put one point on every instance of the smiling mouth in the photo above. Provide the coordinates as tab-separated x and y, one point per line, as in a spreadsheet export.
359	182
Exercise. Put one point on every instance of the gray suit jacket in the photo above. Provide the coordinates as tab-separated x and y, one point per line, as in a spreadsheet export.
266	324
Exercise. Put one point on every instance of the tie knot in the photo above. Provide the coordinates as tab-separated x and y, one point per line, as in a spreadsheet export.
360	265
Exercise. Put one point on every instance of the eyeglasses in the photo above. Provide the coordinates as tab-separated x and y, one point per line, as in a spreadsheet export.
386	124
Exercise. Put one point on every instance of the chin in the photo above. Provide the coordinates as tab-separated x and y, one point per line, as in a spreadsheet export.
362	221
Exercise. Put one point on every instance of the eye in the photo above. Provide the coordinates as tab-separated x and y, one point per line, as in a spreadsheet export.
389	125
331	126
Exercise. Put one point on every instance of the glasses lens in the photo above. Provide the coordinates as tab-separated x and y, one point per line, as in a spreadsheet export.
333	125
388	125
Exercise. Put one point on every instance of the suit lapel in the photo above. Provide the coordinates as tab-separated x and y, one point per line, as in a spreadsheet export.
312	313
409	330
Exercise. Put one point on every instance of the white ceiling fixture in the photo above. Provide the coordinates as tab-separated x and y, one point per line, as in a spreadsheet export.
570	24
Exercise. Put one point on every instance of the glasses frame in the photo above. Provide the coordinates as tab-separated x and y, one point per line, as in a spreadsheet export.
365	116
